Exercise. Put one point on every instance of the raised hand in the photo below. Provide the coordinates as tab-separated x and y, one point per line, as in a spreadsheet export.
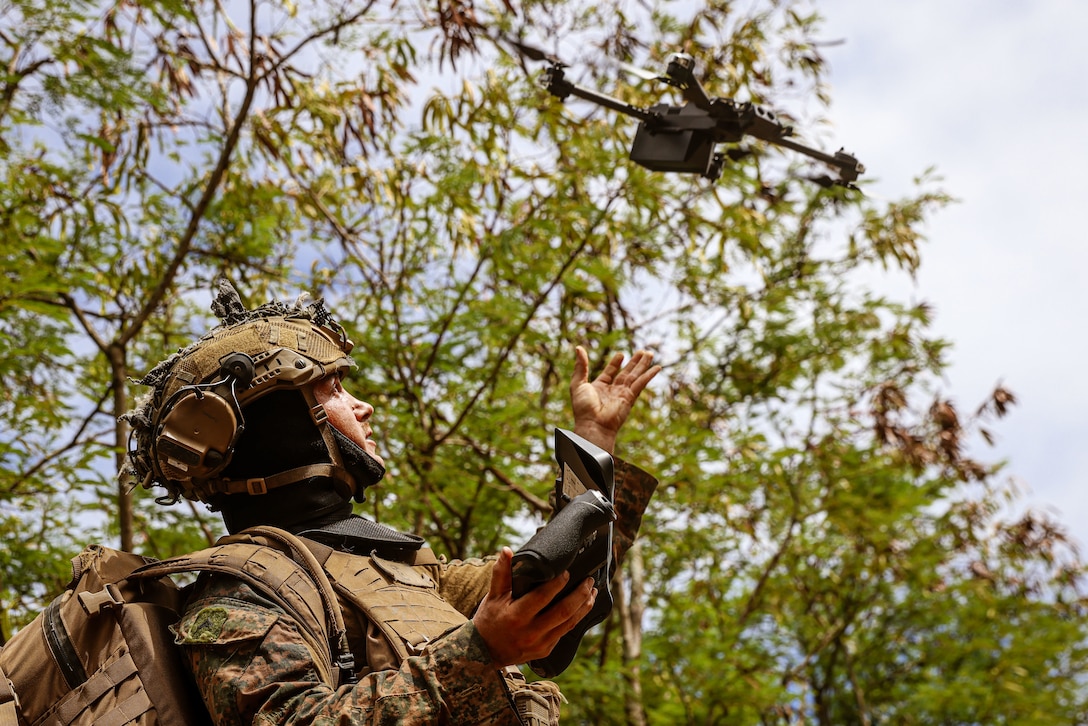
602	406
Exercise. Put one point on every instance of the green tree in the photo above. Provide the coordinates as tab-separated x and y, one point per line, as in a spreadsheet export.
822	548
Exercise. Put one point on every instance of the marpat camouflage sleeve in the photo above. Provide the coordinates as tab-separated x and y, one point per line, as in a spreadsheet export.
252	666
463	583
634	489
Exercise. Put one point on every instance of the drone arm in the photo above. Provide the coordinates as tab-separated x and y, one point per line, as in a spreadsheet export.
849	167
554	82
680	72
762	124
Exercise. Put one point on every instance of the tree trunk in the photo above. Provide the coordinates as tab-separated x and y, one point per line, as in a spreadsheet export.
119	373
631	609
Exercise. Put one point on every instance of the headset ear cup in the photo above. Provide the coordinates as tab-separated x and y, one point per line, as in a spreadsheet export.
196	437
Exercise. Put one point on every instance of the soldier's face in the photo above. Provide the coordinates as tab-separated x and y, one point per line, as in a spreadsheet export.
346	413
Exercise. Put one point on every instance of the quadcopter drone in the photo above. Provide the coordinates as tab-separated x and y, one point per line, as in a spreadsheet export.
683	138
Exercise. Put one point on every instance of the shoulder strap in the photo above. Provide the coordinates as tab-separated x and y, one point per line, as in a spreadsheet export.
300	554
9	702
281	568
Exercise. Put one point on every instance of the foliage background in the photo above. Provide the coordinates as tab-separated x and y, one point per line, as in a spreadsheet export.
822	547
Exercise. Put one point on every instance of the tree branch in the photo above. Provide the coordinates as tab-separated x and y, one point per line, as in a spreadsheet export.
74	442
201	207
534	306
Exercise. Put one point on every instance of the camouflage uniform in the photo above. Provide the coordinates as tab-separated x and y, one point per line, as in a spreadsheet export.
252	666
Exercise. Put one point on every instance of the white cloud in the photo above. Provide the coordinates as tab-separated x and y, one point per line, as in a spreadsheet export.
991	93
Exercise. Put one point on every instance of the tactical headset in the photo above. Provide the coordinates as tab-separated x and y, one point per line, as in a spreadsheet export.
200	425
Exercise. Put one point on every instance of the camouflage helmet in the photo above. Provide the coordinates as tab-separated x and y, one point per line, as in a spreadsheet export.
186	429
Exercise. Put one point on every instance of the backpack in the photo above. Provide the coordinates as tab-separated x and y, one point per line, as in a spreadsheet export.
102	654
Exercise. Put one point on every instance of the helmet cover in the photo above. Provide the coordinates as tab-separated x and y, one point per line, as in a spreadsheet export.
184	431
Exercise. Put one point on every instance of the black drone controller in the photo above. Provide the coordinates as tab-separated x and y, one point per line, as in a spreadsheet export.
578	540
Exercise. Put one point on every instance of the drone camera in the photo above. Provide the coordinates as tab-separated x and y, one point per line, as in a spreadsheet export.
684	151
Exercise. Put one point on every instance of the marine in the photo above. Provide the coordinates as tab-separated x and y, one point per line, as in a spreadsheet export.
254	420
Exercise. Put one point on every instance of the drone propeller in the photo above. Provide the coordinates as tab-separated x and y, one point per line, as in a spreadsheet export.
532	52
643	73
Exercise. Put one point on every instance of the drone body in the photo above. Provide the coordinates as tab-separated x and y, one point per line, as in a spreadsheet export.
667	144
683	138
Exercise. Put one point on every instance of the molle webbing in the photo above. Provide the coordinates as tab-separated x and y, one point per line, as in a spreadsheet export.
400	599
93	688
101	654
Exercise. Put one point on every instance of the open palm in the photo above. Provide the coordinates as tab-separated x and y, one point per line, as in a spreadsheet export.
601	406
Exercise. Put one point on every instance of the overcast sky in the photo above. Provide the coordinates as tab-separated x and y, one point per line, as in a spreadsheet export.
993	94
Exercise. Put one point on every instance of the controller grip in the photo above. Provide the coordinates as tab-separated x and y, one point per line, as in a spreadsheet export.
565	543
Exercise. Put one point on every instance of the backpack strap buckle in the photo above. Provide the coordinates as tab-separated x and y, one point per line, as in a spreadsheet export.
106	598
345	662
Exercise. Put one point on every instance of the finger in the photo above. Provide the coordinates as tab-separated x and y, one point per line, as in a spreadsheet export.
581	367
582	612
568	612
639	362
644	379
634	368
639	365
583	606
541	596
611	369
501	577
549	638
